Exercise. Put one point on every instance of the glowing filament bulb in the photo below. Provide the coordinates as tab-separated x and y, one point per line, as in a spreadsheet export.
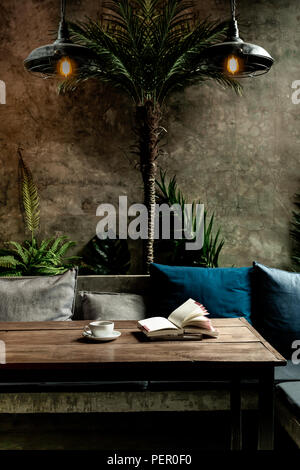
232	65
65	67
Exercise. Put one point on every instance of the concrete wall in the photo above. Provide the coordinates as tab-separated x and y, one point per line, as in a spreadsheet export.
240	156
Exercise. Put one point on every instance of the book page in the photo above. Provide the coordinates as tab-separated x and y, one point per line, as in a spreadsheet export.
199	310
188	310
206	332
156	324
200	320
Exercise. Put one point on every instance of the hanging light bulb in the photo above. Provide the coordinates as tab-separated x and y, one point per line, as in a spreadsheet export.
236	57
65	67
62	58
232	65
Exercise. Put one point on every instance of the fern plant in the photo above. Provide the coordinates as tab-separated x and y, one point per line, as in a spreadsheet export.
208	255
30	197
31	257
295	232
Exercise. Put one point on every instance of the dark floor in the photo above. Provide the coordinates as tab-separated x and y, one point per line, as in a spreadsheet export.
142	431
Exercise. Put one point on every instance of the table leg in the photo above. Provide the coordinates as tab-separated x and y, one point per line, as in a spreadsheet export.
266	410
236	414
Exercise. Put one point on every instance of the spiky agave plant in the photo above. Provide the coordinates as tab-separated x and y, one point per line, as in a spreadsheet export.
208	255
148	49
32	257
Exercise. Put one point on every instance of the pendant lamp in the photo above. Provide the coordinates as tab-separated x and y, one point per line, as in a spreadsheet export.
237	58
62	58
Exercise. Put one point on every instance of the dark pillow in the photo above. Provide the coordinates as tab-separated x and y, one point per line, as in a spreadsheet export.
40	298
111	306
225	292
276	295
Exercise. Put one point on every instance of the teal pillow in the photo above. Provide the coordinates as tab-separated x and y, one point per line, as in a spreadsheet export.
225	292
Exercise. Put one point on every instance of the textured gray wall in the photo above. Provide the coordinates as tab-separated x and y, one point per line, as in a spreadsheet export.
240	156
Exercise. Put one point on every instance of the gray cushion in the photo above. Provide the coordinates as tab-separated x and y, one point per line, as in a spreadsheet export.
42	298
290	391
112	306
276	299
287	373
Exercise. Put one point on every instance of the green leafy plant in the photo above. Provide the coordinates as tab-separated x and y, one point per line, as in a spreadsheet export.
208	255
30	200
32	257
105	257
295	232
148	49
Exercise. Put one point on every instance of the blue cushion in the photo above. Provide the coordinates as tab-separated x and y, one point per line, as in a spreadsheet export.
225	292
277	306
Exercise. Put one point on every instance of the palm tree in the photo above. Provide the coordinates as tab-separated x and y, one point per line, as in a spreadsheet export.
148	49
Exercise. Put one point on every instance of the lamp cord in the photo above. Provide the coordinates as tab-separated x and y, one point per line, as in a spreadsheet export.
233	7
63	9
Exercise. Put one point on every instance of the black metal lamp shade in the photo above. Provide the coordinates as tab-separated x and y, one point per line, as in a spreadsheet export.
63	57
45	60
235	57
251	60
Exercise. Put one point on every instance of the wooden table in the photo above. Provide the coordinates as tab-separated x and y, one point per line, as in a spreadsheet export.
55	352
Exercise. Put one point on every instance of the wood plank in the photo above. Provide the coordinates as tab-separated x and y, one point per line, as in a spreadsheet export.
77	325
147	352
56	325
265	342
46	343
62	337
129	336
122	401
229	334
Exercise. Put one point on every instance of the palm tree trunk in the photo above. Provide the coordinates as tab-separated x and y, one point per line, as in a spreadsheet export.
148	118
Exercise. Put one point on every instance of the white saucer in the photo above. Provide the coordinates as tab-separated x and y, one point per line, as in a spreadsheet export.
115	334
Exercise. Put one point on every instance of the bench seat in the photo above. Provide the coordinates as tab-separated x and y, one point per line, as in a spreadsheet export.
290	393
288	373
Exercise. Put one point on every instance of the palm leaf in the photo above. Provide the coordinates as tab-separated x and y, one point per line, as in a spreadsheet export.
148	48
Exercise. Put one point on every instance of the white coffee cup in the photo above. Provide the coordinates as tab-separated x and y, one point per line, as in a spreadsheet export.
100	328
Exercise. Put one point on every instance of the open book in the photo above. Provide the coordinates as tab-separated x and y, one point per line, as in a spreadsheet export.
189	321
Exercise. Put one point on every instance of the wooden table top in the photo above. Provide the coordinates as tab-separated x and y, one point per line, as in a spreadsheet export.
60	344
